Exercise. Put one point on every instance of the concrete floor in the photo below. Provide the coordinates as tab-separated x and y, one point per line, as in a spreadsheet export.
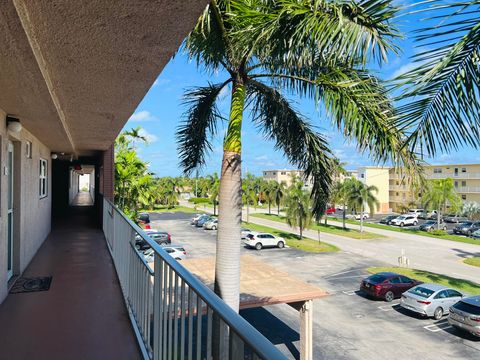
83	315
346	325
83	198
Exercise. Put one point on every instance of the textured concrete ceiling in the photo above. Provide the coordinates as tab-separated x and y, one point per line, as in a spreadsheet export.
74	71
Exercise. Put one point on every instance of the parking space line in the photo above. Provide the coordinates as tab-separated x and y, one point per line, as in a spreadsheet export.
437	327
345	277
349	292
389	307
342	272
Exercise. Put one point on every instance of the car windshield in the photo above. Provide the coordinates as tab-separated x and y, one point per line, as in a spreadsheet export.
468	308
466	223
430	222
401	218
377	279
421	291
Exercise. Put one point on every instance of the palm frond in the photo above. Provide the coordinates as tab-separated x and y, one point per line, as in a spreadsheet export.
354	31
292	134
441	94
201	116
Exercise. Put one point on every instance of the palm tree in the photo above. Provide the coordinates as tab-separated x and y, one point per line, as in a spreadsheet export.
214	187
279	190
439	194
299	212
471	210
318	50
270	191
441	93
359	195
248	193
338	195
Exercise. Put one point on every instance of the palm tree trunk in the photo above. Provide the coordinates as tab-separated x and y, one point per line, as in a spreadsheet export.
361	218
278	208
227	260
344	215
269	206
301	228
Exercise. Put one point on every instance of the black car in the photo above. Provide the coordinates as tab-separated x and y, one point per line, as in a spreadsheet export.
388	219
467	228
160	237
144	218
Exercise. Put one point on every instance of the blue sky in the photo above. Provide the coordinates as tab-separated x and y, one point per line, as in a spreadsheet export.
161	111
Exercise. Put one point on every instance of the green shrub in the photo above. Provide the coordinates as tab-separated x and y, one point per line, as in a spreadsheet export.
199	200
439	232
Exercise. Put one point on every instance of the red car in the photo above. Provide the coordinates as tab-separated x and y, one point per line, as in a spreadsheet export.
387	285
330	211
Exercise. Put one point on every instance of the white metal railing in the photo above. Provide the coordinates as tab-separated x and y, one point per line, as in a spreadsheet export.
174	315
459	175
468	189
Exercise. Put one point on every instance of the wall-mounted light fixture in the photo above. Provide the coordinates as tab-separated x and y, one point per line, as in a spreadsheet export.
13	124
54	156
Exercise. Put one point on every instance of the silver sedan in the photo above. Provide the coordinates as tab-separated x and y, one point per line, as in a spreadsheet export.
430	299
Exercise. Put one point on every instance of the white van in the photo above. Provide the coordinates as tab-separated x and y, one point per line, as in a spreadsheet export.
415	212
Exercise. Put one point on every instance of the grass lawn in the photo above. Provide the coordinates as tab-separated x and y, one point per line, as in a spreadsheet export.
292	240
415	232
331	229
178	208
475	261
461	285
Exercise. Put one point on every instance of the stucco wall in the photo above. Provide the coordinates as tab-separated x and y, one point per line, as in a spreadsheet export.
32	216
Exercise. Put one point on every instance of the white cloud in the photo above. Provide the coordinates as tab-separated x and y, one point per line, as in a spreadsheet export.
160	82
151	138
143	115
404	69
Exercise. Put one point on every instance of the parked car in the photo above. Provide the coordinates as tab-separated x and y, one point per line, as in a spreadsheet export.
175	251
387	285
467	228
261	240
433	215
203	220
430	300
160	237
197	218
358	216
431	225
211	225
453	218
244	232
465	315
476	234
143	218
404	220
388	219
415	212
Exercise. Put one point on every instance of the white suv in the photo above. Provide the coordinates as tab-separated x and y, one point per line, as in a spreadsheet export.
407	219
261	240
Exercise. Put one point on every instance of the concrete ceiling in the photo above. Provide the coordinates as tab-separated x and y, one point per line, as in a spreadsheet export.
73	71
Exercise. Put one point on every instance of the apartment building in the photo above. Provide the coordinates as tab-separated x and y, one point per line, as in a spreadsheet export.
285	176
378	177
466	179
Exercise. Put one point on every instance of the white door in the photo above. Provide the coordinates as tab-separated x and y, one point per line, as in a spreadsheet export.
10	211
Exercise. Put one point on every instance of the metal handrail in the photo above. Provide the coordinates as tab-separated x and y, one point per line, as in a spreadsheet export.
243	329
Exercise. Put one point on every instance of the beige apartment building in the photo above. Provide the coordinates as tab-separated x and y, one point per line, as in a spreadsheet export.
395	191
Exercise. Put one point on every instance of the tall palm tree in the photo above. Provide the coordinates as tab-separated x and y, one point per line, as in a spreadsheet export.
299	213
359	195
439	195
279	191
441	93
249	194
269	191
316	49
214	187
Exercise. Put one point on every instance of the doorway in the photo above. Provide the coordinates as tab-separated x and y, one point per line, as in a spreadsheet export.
10	210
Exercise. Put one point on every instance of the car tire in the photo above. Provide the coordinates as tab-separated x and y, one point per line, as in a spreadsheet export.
389	296
281	245
163	243
258	246
444	228
402	224
430	229
415	223
214	227
469	233
438	313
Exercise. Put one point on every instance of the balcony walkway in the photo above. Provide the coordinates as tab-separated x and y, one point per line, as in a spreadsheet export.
83	198
82	316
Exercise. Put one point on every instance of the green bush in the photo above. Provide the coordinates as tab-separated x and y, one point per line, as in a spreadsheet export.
199	200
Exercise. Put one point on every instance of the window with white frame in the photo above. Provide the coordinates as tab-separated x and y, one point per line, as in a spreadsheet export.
43	178
437	171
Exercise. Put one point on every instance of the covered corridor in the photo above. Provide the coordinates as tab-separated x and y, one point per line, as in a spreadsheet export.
83	315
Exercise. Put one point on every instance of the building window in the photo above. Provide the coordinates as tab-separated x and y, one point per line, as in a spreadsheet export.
283	173
362	176
464	183
28	149
464	197
464	170
396	194
274	173
43	178
437	171
456	184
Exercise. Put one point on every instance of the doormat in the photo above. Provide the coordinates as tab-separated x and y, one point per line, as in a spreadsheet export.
25	285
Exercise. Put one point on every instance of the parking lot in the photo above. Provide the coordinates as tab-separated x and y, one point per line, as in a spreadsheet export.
346	324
